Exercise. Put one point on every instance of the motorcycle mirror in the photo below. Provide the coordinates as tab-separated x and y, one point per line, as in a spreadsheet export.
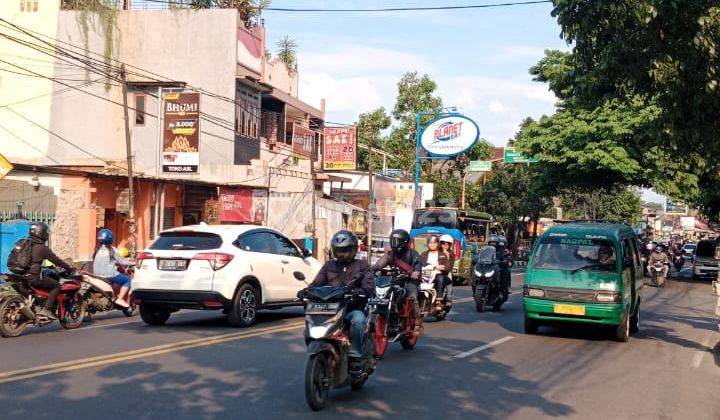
299	276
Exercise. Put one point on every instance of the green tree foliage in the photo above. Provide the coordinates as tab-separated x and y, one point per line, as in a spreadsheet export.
370	127
287	53
613	203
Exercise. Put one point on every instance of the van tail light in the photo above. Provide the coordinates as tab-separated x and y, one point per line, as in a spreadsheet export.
143	256
217	260
457	250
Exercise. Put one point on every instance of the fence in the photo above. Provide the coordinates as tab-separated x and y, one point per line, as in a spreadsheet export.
33	216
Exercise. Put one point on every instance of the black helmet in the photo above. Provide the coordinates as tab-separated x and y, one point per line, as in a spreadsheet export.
399	239
494	240
40	230
344	246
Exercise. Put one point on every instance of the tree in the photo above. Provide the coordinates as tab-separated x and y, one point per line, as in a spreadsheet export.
287	53
370	126
614	203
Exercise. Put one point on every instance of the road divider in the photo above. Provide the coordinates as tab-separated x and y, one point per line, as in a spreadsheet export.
483	347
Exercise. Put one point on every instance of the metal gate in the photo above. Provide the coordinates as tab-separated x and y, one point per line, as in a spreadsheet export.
33	216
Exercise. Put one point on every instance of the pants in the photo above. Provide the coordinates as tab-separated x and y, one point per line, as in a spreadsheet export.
411	291
357	319
120	279
441	281
48	284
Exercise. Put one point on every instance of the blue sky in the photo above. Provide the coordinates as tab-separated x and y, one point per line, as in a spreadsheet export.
478	57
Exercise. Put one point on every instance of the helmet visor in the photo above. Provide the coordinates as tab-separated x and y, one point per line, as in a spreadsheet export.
345	253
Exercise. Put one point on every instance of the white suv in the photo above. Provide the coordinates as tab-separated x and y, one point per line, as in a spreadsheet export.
237	268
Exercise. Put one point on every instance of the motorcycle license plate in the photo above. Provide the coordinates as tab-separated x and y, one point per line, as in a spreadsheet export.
172	265
569	309
426	286
321	308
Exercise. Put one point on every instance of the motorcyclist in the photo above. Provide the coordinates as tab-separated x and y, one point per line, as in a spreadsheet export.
441	261
105	265
503	258
39	234
345	269
407	260
446	249
658	255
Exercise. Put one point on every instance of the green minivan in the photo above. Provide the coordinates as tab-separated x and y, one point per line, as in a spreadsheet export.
584	273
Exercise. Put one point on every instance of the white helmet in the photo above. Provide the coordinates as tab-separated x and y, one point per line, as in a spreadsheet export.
447	238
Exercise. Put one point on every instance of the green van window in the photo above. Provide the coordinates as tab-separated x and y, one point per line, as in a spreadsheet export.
575	254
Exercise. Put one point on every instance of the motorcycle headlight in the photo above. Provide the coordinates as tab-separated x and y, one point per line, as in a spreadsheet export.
381	291
478	274
319	331
490	273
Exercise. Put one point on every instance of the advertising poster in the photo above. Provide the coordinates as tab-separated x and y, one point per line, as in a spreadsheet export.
243	205
340	149
303	140
181	132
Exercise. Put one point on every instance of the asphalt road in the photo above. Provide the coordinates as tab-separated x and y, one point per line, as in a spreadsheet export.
468	366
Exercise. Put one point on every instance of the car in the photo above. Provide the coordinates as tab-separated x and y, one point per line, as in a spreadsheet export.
380	245
689	251
705	264
237	268
584	273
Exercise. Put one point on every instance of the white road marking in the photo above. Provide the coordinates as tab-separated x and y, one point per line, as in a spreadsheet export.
697	360
483	347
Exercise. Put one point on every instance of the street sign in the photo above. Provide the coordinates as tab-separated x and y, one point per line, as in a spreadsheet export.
449	136
480	166
511	156
5	167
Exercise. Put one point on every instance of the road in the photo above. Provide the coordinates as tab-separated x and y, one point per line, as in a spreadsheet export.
469	366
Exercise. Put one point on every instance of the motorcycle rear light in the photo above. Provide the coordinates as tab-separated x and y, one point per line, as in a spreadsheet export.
143	256
217	260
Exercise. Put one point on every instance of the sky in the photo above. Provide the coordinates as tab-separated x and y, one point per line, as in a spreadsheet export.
478	57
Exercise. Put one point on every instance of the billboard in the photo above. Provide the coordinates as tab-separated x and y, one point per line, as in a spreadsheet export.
243	205
181	132
449	136
303	140
675	207
340	149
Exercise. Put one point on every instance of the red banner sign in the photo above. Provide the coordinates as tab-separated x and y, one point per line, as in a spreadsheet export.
243	206
303	140
340	148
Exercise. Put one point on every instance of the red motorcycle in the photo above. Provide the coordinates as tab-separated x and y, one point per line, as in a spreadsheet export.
392	314
20	303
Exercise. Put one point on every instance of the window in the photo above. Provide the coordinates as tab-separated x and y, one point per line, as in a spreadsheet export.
435	218
187	241
247	113
575	254
256	242
705	248
284	246
627	253
28	5
139	109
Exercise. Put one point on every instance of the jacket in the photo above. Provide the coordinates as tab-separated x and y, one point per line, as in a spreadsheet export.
39	253
410	257
447	260
357	274
658	256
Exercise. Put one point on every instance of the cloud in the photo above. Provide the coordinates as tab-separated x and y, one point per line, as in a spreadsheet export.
354	60
496	107
522	51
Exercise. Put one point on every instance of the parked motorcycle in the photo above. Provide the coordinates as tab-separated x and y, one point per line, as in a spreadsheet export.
391	313
328	345
102	294
20	303
487	281
657	273
429	301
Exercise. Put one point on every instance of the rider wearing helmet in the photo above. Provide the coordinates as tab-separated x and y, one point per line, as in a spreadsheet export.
105	265
407	260
659	255
503	258
441	261
345	269
39	234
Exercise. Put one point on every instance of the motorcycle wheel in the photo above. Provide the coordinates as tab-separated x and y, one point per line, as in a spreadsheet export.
75	308
12	322
479	304
317	381
357	384
379	337
439	316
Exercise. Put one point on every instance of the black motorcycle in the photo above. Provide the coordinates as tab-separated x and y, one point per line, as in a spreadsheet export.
678	261
487	281
328	345
391	313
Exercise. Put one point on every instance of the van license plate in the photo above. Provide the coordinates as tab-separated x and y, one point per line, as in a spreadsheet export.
172	265
569	309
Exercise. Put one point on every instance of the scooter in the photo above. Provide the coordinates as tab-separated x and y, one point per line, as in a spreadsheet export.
20	303
487	281
430	303
657	272
102	295
328	345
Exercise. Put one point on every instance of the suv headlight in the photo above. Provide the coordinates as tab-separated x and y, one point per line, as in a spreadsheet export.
613	297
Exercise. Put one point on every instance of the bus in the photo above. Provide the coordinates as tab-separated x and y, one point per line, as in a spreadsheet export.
458	223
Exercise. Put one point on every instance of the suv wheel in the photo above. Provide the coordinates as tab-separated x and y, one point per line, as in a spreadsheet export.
243	312
154	315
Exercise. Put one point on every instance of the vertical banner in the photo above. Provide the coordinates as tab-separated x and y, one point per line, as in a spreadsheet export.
340	149
303	140
243	206
181	132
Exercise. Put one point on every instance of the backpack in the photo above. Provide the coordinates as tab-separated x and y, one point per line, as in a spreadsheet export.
20	257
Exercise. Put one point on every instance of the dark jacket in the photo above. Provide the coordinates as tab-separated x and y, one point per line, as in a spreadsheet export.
357	274
40	253
410	257
447	261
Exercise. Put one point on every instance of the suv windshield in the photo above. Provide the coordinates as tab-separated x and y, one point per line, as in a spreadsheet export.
444	218
575	254
705	249
187	241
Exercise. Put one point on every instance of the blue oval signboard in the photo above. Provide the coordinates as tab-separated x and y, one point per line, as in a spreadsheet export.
449	135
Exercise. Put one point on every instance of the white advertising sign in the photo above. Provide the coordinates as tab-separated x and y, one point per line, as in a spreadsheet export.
449	136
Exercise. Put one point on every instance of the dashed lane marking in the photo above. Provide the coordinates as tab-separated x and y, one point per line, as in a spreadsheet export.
483	347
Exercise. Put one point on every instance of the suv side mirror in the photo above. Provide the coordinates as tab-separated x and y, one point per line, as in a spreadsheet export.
306	253
299	276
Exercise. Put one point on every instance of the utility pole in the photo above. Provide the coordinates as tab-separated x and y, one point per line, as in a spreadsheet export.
128	152
312	199
371	206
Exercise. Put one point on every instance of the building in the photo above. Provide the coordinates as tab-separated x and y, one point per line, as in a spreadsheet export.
66	136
